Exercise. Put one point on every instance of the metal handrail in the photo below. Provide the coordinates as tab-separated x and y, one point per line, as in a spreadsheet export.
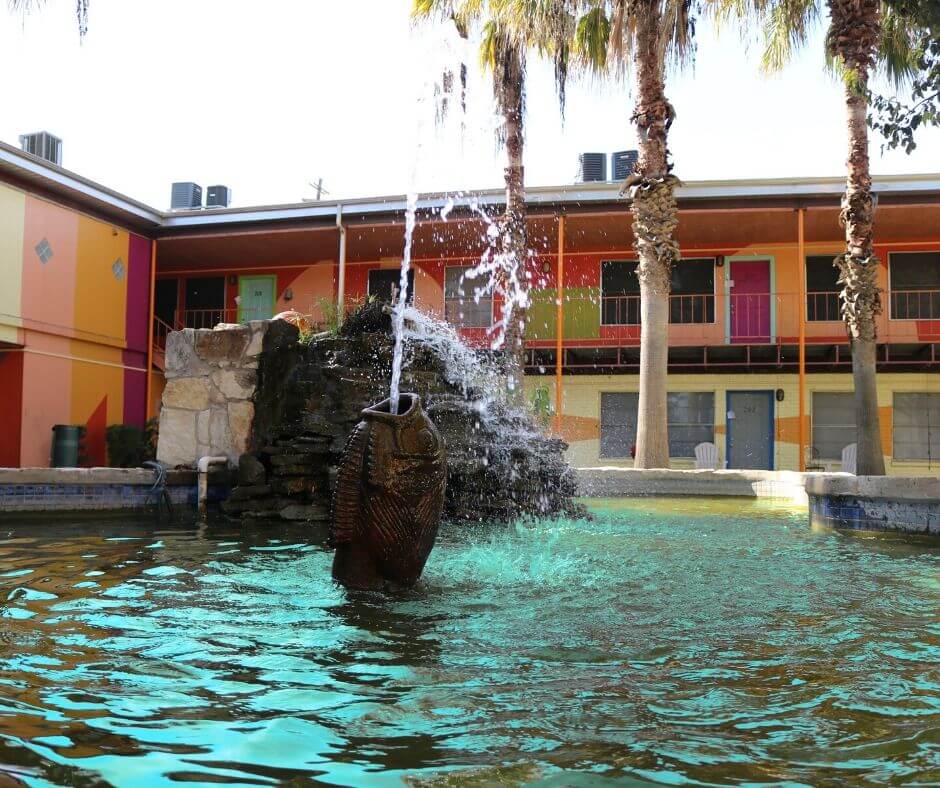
914	304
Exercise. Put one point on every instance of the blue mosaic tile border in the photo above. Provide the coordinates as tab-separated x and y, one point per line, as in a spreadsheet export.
99	497
863	514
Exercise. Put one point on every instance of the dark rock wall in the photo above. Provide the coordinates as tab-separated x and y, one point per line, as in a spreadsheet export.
309	398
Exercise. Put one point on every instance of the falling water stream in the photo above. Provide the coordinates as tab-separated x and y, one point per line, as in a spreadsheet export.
401	303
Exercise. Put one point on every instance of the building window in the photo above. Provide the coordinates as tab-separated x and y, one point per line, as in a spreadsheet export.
385	282
822	288
916	426
620	293
462	306
693	291
691	416
618	424
692	299
915	285
691	421
833	424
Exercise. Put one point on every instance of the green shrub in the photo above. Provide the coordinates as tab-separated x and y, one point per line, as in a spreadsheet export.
130	446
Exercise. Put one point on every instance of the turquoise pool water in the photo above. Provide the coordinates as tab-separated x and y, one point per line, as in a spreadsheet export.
665	642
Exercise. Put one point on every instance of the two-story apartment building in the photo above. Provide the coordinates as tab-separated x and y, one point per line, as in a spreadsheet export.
759	360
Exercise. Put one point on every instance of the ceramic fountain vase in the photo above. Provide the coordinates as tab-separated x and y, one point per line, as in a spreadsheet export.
389	496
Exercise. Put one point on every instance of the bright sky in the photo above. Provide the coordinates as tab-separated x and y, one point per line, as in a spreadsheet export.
267	97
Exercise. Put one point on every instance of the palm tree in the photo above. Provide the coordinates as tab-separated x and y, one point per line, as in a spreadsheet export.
509	29
645	35
81	11
861	32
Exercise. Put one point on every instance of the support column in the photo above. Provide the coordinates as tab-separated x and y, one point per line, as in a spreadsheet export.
152	311
801	268
341	266
559	324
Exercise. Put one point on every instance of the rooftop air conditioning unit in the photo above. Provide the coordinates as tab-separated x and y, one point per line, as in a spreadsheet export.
44	145
185	196
218	197
622	163
592	167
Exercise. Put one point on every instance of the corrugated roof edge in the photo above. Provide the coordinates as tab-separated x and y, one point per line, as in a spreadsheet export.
58	180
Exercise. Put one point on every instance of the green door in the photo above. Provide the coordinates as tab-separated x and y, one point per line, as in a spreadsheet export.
256	297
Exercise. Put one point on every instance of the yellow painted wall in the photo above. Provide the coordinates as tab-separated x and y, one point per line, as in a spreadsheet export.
580	424
100	295
12	217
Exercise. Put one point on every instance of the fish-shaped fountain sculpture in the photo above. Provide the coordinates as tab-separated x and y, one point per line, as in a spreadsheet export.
389	496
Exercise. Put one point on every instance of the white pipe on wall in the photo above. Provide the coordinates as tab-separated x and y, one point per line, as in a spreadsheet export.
202	480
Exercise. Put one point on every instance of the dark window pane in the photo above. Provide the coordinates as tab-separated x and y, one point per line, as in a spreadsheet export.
618	277
695	276
916	426
915	286
691	420
462	306
821	275
915	271
833	424
620	293
822	288
384	281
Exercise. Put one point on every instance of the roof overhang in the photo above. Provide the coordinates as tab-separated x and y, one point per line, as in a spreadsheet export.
44	178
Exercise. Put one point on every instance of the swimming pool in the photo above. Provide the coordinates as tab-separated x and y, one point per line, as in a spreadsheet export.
665	641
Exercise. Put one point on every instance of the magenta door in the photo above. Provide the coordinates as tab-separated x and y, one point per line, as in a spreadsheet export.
750	307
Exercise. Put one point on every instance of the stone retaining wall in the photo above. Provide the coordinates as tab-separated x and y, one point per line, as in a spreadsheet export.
876	503
211	379
76	490
615	482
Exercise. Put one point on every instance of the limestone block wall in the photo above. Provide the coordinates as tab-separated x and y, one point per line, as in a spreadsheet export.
211	377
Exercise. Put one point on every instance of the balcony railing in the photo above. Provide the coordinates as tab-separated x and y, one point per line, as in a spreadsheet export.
823	306
733	318
915	304
625	310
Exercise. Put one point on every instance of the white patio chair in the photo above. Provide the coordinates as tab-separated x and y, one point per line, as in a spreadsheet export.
706	456
849	454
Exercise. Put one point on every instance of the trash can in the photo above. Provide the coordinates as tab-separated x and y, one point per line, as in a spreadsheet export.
66	445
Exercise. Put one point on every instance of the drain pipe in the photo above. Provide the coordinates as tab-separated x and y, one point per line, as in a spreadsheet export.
341	273
202	480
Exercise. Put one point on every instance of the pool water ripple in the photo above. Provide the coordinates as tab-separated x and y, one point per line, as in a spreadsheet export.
662	642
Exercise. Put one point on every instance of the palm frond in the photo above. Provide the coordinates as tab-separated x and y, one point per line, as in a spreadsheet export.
787	27
592	39
900	50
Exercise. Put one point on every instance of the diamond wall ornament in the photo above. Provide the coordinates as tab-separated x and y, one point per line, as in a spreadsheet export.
44	251
117	268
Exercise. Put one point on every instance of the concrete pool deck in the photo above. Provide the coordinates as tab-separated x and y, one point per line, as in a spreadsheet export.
904	505
615	482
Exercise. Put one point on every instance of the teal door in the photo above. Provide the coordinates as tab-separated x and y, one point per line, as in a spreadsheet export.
256	297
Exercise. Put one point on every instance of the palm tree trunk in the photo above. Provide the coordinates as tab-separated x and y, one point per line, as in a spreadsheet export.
514	237
655	217
855	28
